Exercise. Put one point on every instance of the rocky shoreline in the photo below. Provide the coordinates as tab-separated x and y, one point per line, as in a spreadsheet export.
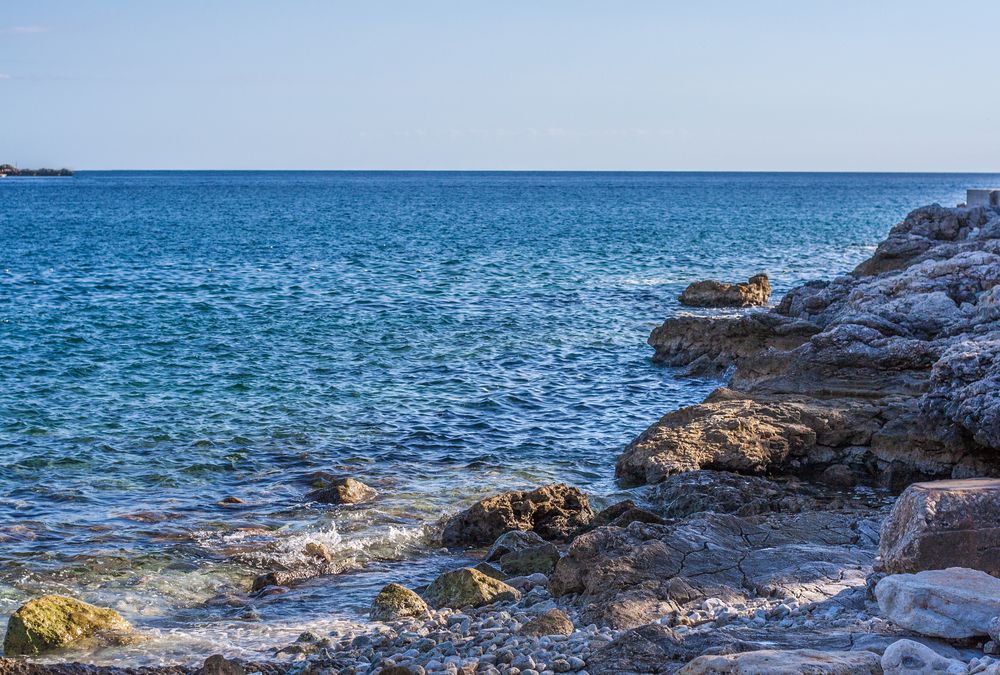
830	509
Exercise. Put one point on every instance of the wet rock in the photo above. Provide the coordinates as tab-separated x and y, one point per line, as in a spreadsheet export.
509	542
229	501
54	621
950	603
220	665
396	602
556	512
344	490
786	662
953	523
541	558
467	587
552	622
906	657
754	293
318	551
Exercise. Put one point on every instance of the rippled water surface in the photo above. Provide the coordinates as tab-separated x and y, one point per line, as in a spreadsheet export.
171	339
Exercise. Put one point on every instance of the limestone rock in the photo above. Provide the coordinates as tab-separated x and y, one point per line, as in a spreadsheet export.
343	490
54	621
786	662
552	622
754	293
684	494
541	558
952	523
892	371
950	603
556	512
906	657
467	587
396	602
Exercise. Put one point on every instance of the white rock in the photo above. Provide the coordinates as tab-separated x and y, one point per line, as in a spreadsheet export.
906	657
951	603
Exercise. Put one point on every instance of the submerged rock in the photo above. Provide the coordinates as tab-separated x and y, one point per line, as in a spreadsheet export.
786	662
754	293
396	602
555	512
467	587
55	621
951	603
952	523
343	490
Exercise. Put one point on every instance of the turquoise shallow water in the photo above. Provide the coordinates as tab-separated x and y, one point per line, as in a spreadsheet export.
168	339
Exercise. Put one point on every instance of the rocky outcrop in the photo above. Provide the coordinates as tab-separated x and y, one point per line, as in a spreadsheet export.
555	512
906	657
941	524
55	621
950	603
467	587
534	559
754	293
890	371
625	577
396	602
786	662
685	494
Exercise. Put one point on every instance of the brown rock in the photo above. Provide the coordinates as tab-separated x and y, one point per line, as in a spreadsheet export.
217	664
949	523
786	662
754	293
343	491
552	622
556	512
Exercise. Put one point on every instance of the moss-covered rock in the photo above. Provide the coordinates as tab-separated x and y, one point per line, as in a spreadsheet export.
467	587
396	602
54	621
490	571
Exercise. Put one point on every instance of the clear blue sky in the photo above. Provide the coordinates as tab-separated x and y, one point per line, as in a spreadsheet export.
511	84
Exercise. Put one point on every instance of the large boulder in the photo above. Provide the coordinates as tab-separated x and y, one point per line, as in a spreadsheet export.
555	512
467	587
786	662
511	542
950	523
950	603
710	293
906	657
396	602
541	558
55	621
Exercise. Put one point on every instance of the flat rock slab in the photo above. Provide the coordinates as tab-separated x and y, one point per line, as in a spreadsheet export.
951	603
792	662
943	524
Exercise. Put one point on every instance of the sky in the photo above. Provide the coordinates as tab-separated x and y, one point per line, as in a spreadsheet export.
705	85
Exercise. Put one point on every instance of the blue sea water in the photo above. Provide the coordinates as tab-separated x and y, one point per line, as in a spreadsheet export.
168	339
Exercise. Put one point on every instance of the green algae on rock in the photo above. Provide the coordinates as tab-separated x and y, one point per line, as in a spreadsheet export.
395	602
468	587
54	621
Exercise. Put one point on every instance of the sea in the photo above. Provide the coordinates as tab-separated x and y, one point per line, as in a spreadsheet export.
171	339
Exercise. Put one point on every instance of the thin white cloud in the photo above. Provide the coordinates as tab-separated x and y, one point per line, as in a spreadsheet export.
26	30
4	76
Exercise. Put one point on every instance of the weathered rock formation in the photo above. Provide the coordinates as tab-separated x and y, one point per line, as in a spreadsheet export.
786	662
950	603
556	512
891	371
467	587
754	293
954	523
